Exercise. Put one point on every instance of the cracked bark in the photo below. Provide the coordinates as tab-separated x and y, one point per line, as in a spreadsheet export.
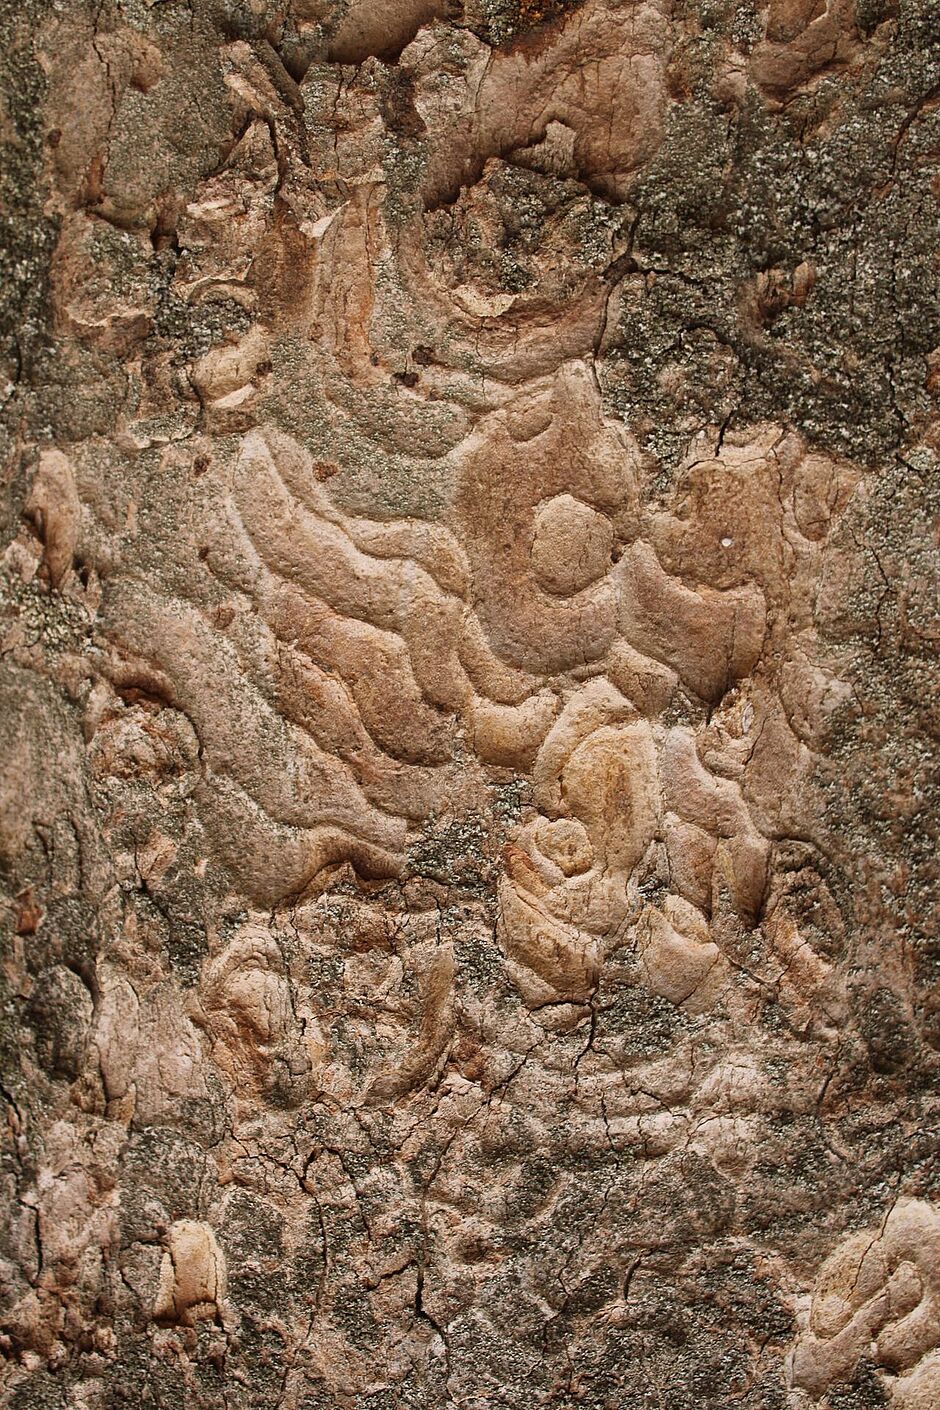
468	704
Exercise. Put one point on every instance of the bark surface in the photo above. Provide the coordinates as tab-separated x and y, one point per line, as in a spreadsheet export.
469	703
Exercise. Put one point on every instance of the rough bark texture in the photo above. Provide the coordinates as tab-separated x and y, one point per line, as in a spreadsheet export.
468	704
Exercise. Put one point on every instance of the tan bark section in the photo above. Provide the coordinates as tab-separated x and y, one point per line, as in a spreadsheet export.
435	964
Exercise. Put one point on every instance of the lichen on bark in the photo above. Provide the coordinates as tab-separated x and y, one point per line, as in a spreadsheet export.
468	627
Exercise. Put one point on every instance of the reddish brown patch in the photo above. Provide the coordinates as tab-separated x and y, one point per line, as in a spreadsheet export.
29	912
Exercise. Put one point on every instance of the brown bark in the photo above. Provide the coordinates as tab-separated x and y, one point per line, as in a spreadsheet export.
468	704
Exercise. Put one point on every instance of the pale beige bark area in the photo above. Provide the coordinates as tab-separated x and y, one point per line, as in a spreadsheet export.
467	692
